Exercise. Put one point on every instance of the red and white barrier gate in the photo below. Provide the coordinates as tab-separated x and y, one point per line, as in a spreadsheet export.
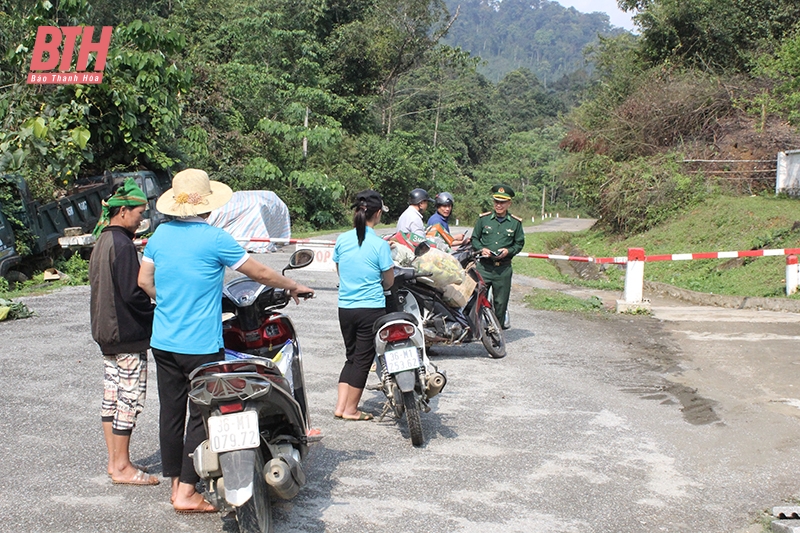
634	268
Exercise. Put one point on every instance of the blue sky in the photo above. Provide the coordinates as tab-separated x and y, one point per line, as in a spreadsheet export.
618	18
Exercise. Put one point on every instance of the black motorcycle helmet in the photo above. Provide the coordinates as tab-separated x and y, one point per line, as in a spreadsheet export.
417	196
444	198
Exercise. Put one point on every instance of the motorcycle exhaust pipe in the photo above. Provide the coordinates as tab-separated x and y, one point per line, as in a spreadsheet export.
434	385
278	475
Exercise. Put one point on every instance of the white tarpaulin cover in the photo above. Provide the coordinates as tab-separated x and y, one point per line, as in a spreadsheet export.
254	214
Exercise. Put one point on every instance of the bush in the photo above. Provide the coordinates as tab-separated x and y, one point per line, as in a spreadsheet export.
637	195
76	268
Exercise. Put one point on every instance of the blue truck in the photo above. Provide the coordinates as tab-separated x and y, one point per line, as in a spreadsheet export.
42	227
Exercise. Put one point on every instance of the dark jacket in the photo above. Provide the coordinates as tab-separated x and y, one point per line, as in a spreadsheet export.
121	312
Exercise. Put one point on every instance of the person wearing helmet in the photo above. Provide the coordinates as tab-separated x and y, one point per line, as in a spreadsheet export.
411	219
444	207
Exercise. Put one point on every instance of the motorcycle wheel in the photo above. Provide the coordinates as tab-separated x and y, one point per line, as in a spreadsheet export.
412	417
492	338
255	516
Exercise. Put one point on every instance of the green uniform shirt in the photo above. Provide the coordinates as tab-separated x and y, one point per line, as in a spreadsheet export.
492	234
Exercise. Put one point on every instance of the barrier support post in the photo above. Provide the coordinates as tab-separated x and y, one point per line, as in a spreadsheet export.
634	283
792	274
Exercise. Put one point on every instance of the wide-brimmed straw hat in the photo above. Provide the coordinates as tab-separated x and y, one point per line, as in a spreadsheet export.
193	194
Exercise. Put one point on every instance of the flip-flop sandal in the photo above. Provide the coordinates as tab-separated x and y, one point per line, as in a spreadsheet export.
212	509
138	467
139	478
362	416
337	417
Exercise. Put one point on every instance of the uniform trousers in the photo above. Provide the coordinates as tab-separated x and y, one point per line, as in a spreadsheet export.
499	279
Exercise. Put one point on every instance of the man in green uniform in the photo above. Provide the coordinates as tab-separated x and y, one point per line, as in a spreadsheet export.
498	236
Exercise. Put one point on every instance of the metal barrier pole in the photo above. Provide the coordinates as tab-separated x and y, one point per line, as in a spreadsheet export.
792	274
634	276
634	283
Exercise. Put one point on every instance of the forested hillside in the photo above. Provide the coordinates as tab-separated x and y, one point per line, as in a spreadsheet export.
312	99
540	35
685	111
318	99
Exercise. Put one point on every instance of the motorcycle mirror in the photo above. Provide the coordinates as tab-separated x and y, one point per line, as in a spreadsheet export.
422	249
301	258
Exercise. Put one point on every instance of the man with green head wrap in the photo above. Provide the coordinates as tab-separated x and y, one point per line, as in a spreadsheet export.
122	320
127	194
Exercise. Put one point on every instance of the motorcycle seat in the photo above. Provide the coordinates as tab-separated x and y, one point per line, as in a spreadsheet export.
385	319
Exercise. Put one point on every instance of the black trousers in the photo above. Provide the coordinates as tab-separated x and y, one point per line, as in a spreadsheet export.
173	392
359	343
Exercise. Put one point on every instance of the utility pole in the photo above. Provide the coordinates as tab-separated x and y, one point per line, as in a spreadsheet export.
544	192
305	138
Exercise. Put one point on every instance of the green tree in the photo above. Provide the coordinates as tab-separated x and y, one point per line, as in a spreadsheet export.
719	34
522	103
53	134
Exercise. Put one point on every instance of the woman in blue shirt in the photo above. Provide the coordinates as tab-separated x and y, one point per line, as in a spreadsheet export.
364	263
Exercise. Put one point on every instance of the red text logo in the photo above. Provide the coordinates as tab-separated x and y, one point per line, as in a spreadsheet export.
49	43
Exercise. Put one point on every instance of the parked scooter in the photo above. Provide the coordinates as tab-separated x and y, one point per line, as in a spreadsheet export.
443	323
254	405
407	377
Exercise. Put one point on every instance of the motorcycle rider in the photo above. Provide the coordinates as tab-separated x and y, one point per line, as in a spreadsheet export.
183	269
444	208
411	219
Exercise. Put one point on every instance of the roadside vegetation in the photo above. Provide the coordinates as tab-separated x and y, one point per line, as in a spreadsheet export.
70	271
719	224
549	300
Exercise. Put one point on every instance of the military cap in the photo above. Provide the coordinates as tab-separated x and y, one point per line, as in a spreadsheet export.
502	192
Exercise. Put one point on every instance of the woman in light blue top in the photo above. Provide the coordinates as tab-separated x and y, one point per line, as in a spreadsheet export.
364	263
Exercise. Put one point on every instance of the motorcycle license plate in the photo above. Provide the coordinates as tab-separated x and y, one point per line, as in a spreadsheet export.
402	359
236	431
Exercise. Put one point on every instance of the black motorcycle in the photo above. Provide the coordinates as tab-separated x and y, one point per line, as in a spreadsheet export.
443	321
254	405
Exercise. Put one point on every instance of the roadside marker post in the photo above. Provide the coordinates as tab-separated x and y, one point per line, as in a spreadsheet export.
792	274
634	283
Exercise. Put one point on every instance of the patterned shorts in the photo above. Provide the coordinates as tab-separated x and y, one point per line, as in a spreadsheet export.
124	389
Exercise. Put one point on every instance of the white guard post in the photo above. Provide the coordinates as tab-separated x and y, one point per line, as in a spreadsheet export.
792	275
634	283
323	257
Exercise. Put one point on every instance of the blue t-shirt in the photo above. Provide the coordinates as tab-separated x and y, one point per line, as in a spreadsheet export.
436	218
190	259
360	269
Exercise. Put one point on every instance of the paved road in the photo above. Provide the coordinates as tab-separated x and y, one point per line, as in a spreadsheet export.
612	424
562	224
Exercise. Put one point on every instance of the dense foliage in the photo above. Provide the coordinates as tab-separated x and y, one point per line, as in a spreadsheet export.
539	35
317	99
314	99
706	80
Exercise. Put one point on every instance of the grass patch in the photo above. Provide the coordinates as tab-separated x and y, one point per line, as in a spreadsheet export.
558	301
612	278
718	225
75	268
